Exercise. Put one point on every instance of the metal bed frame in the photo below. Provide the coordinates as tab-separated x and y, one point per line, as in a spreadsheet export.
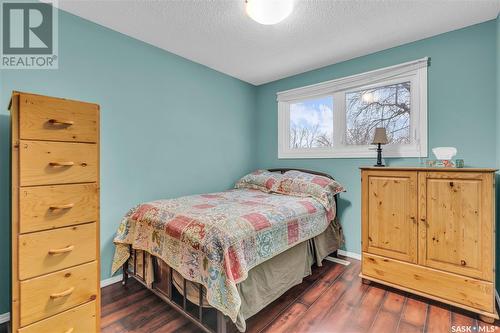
163	285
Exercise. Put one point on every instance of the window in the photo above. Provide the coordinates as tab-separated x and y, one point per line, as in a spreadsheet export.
387	106
311	123
338	118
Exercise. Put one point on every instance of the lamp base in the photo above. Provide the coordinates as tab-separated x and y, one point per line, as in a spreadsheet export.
379	156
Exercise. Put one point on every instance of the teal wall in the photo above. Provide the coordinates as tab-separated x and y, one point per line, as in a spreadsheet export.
169	126
461	109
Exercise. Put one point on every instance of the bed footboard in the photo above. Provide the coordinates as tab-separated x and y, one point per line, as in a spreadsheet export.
208	320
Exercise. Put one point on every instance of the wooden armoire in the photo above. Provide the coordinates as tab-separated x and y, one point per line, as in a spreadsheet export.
431	231
55	215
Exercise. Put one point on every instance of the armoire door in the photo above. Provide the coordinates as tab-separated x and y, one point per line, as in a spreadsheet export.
456	210
389	214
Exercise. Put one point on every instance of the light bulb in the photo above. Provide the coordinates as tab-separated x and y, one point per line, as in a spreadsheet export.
269	11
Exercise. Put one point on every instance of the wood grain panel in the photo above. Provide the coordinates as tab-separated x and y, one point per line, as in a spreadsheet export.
14	141
122	302
414	312
457	233
385	322
390	214
152	323
51	294
125	312
287	320
317	312
48	207
394	302
37	250
433	283
80	319
341	314
338	318
404	327
48	163
387	319
47	118
438	319
138	319
321	285
362	317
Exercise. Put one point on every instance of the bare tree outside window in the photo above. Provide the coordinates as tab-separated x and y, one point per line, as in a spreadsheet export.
311	123
387	106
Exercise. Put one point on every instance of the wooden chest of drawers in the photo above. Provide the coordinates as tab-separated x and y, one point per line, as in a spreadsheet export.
55	215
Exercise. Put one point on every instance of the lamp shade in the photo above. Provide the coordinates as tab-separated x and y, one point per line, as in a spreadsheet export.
380	136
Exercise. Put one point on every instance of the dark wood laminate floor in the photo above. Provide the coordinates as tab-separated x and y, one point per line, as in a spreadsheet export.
333	299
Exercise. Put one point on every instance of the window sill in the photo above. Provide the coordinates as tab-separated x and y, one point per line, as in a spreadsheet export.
350	154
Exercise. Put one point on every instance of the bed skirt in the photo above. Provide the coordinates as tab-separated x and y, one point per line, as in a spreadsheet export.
264	284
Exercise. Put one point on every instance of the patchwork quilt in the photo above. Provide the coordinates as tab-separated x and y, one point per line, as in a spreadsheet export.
215	239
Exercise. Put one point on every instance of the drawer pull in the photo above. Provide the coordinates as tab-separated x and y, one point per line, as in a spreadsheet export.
63	250
62	293
66	206
61	122
61	164
70	330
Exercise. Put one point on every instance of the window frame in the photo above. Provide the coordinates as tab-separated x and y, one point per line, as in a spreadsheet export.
414	72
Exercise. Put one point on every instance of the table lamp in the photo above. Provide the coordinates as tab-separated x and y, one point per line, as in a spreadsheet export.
379	139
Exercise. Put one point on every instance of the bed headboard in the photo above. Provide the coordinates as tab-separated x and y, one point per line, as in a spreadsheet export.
283	170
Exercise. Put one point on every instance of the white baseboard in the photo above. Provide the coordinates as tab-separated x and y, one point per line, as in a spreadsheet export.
4	317
111	280
338	261
352	255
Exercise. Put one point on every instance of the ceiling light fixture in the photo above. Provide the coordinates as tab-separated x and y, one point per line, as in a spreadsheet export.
268	11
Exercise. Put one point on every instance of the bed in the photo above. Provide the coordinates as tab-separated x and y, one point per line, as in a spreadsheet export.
220	258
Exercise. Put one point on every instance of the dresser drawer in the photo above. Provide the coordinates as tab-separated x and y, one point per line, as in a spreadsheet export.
51	294
47	163
47	118
77	320
48	207
48	251
429	282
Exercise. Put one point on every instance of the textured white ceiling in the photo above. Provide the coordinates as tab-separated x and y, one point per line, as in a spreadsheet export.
218	34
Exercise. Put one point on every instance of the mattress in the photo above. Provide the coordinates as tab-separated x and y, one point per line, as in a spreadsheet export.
216	239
